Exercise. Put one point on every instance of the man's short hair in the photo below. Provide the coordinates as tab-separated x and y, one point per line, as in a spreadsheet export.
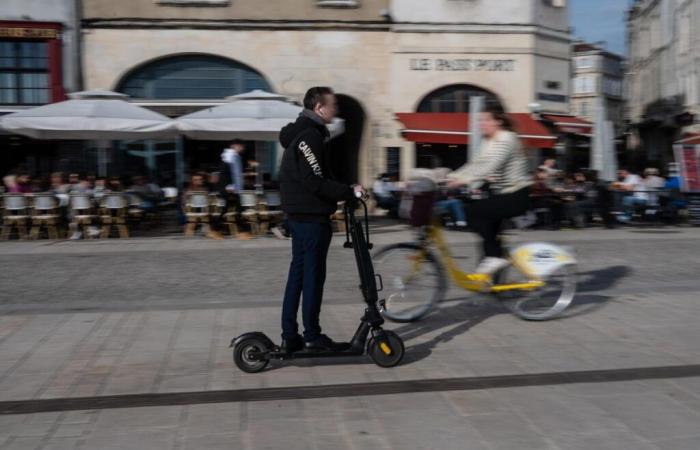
315	95
237	142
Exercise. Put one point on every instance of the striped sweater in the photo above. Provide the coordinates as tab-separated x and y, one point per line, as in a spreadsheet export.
501	161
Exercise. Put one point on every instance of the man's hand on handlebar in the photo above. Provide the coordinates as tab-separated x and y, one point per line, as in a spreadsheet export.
359	191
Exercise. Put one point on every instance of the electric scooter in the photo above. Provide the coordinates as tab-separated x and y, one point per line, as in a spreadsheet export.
253	351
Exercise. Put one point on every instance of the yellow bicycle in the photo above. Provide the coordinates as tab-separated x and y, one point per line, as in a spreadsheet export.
539	283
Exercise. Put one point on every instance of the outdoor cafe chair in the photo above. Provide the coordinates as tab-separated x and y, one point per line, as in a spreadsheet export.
230	214
15	215
44	214
113	214
270	211
197	211
250	213
82	213
338	217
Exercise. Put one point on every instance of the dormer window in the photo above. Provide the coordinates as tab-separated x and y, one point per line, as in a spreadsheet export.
338	3
193	2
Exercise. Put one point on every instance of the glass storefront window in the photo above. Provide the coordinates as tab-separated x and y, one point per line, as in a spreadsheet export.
192	77
24	77
454	98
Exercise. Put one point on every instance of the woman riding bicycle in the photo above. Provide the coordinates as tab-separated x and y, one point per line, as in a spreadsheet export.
502	165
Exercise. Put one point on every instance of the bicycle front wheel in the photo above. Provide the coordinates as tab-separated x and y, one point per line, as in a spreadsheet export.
414	281
542	303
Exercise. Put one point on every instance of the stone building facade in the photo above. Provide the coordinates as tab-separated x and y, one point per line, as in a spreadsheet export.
598	74
382	57
663	84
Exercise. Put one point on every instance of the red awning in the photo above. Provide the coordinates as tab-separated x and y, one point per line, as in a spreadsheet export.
453	128
690	139
570	124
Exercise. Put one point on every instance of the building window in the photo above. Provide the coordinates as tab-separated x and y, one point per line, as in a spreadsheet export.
584	84
192	77
612	87
685	34
24	73
454	98
583	109
393	160
338	3
584	62
194	2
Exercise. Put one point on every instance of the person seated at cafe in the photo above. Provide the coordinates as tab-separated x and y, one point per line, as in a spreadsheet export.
99	188
149	193
633	191
10	183
384	190
543	196
198	183
58	185
23	184
583	202
114	184
78	184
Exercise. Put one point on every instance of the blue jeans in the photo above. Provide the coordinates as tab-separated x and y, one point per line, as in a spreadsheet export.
455	207
629	204
307	274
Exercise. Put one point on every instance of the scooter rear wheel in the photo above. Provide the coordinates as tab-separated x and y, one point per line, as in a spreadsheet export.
378	352
242	355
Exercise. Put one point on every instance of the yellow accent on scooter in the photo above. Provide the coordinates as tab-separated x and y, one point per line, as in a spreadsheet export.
385	348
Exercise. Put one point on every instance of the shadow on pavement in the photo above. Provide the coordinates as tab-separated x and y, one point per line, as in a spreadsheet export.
602	279
458	315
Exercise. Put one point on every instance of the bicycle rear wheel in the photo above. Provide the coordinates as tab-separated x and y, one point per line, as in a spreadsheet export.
414	281
542	303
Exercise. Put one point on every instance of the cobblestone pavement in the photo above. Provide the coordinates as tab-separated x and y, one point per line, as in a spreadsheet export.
156	316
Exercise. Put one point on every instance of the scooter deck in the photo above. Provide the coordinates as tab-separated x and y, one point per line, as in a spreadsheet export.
315	354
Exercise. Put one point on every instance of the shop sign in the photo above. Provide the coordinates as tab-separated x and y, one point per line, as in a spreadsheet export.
28	33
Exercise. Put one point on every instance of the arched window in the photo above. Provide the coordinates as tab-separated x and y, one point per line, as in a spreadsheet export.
454	98
191	77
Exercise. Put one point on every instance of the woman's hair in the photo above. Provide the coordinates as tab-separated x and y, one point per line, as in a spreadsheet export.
499	114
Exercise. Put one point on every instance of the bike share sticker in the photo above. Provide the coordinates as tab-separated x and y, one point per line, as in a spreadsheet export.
541	259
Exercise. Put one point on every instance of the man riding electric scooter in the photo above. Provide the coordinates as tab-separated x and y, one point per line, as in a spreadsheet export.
309	197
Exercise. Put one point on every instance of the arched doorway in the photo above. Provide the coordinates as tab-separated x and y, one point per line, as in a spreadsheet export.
191	80
454	98
345	149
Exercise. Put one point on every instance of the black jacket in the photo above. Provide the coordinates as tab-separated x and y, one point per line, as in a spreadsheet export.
307	188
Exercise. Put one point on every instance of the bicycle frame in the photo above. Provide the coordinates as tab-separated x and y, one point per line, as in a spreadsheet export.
474	282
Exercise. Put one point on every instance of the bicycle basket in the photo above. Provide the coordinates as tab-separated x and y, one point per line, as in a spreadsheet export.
422	191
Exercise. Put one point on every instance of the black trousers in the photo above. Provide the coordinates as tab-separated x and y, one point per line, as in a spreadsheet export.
307	275
486	217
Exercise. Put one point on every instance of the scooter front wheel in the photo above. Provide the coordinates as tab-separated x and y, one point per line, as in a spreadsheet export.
244	355
387	352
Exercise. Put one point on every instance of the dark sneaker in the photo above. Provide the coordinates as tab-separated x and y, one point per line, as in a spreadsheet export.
292	345
325	344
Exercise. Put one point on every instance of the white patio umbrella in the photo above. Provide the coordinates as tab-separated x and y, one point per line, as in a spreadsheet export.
603	157
97	115
90	115
254	116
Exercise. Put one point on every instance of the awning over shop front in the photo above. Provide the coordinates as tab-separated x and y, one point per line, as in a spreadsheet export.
570	124
453	128
690	139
